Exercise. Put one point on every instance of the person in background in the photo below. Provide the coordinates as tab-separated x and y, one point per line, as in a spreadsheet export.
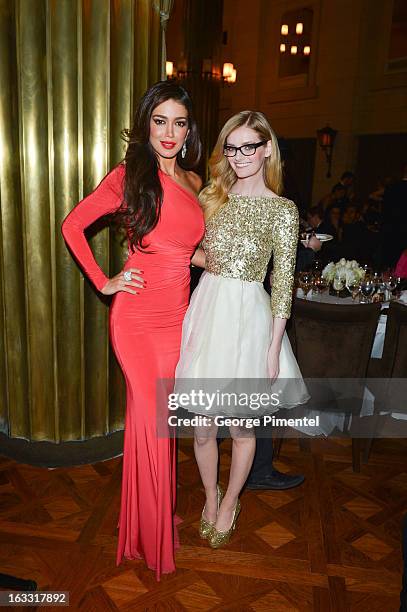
378	193
370	214
337	197
401	266
319	222
315	217
394	230
306	254
350	215
358	241
348	182
333	222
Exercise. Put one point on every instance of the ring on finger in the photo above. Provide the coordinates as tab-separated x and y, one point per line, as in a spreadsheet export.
127	275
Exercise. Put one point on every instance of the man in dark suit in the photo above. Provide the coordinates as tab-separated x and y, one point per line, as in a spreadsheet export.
319	222
394	230
347	183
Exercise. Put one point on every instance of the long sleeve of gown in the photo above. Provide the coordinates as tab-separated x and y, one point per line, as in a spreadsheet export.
284	239
105	199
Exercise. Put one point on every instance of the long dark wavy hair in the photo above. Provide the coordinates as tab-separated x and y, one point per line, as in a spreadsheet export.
141	207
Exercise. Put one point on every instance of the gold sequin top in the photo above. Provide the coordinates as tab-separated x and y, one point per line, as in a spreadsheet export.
241	236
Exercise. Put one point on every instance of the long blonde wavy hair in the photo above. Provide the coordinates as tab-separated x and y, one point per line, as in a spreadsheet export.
222	175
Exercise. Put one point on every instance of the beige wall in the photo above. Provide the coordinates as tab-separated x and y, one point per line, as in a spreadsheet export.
347	86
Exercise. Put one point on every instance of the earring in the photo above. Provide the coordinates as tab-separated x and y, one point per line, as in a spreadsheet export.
184	150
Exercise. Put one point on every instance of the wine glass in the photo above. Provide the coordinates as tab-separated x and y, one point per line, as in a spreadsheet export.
305	282
354	288
380	292
320	284
390	283
367	288
338	284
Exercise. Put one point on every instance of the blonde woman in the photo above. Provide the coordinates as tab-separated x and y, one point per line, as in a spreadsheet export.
229	331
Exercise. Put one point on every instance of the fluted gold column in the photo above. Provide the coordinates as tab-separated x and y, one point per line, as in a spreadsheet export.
71	72
94	68
14	407
31	43
63	18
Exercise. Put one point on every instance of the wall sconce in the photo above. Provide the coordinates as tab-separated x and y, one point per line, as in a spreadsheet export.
229	73
326	140
227	70
299	28
169	70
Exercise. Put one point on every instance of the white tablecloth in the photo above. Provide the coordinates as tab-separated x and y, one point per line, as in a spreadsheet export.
367	408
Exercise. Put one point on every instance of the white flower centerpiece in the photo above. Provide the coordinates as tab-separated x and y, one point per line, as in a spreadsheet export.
341	275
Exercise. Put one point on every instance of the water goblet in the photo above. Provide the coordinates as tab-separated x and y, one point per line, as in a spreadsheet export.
354	288
391	284
367	288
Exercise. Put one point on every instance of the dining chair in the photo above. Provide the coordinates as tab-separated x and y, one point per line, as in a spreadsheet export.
392	365
394	358
333	341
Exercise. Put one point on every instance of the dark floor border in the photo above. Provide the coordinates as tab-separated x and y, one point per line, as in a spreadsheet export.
65	454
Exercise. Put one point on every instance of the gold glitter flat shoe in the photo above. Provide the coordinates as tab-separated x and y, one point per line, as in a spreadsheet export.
220	538
205	527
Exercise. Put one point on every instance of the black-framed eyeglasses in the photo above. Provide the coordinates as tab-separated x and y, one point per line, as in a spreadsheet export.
247	149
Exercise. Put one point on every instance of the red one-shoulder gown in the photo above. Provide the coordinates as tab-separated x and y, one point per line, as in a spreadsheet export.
145	332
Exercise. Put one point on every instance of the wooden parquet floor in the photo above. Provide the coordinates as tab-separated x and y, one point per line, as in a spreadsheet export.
331	545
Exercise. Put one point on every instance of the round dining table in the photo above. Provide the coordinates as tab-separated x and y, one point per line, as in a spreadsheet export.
367	408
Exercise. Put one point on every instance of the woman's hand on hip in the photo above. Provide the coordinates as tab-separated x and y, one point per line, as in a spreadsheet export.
199	258
124	281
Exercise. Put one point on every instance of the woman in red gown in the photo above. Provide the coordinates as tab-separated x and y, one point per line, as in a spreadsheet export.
153	195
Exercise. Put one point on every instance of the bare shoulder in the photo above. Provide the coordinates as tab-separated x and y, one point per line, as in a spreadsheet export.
194	180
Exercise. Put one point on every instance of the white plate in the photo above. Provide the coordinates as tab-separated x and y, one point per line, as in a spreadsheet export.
321	238
324	237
